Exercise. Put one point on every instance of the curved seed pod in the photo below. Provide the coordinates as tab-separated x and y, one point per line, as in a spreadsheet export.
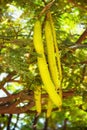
51	54
55	44
37	38
51	62
49	17
49	108
43	67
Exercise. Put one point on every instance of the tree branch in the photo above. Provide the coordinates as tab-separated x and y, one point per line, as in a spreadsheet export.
35	121
82	37
11	104
65	124
9	122
46	124
15	125
79	41
46	8
77	5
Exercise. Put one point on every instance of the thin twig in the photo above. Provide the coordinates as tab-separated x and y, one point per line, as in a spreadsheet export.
80	40
9	122
6	92
45	124
15	125
82	37
46	8
65	124
35	122
78	46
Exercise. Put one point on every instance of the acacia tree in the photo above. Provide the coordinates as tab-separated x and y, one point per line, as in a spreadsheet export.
19	73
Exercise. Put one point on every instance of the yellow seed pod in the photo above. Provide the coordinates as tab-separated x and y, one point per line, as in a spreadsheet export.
51	54
43	67
49	16
37	97
49	108
37	38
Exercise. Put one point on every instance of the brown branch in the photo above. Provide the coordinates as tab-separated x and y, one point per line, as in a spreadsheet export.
82	37
17	110
69	93
9	122
79	41
65	124
35	122
77	5
46	8
15	125
6	79
83	62
23	95
77	46
11	97
6	92
11	104
46	124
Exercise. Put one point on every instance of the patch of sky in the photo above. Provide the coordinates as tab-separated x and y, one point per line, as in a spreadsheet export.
14	12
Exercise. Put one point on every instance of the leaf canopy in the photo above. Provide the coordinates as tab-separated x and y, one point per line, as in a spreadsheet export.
19	74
